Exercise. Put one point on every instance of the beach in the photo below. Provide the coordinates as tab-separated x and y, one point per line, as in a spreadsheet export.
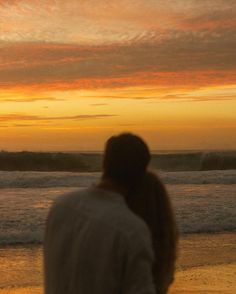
218	279
96	94
206	264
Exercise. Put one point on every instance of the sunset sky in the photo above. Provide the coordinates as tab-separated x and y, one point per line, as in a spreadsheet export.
73	73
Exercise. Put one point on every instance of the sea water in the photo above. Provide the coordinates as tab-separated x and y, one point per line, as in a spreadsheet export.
204	201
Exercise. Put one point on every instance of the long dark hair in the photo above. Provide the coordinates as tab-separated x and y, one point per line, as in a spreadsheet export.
151	202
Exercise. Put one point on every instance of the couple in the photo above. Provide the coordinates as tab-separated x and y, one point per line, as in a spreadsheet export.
118	237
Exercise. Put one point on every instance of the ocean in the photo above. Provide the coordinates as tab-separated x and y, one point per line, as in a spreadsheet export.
204	202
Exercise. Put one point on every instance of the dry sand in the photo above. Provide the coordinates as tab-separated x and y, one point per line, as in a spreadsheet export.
203	280
207	265
219	279
216	279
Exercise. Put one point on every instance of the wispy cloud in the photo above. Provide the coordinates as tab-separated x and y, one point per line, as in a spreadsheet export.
99	104
197	56
30	99
25	117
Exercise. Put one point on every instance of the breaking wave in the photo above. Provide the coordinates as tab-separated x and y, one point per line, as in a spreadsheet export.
92	162
197	161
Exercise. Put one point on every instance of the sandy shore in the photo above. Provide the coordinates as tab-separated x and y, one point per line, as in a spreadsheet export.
27	290
219	279
207	265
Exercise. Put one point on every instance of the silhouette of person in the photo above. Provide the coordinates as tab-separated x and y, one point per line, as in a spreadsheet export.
95	243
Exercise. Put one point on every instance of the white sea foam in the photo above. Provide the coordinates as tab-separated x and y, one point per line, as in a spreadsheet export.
16	179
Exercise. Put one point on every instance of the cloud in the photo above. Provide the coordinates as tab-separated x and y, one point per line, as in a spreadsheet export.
178	97
110	66
28	125
25	117
184	94
30	99
186	98
107	44
102	22
98	104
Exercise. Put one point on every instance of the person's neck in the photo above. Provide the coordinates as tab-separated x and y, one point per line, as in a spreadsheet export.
108	184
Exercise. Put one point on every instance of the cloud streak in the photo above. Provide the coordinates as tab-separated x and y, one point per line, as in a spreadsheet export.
107	66
30	99
98	104
25	117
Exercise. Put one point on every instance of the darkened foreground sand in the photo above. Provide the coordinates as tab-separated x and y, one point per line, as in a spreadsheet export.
28	290
219	279
207	265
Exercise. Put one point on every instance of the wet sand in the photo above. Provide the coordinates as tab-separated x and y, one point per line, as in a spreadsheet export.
207	265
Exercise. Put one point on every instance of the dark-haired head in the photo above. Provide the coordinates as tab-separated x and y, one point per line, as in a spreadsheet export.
126	159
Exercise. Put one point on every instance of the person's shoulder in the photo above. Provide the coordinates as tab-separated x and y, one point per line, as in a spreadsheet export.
64	207
107	208
71	196
68	200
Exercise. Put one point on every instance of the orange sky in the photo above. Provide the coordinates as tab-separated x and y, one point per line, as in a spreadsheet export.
73	73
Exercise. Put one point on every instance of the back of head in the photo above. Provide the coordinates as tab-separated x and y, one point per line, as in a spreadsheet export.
126	159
